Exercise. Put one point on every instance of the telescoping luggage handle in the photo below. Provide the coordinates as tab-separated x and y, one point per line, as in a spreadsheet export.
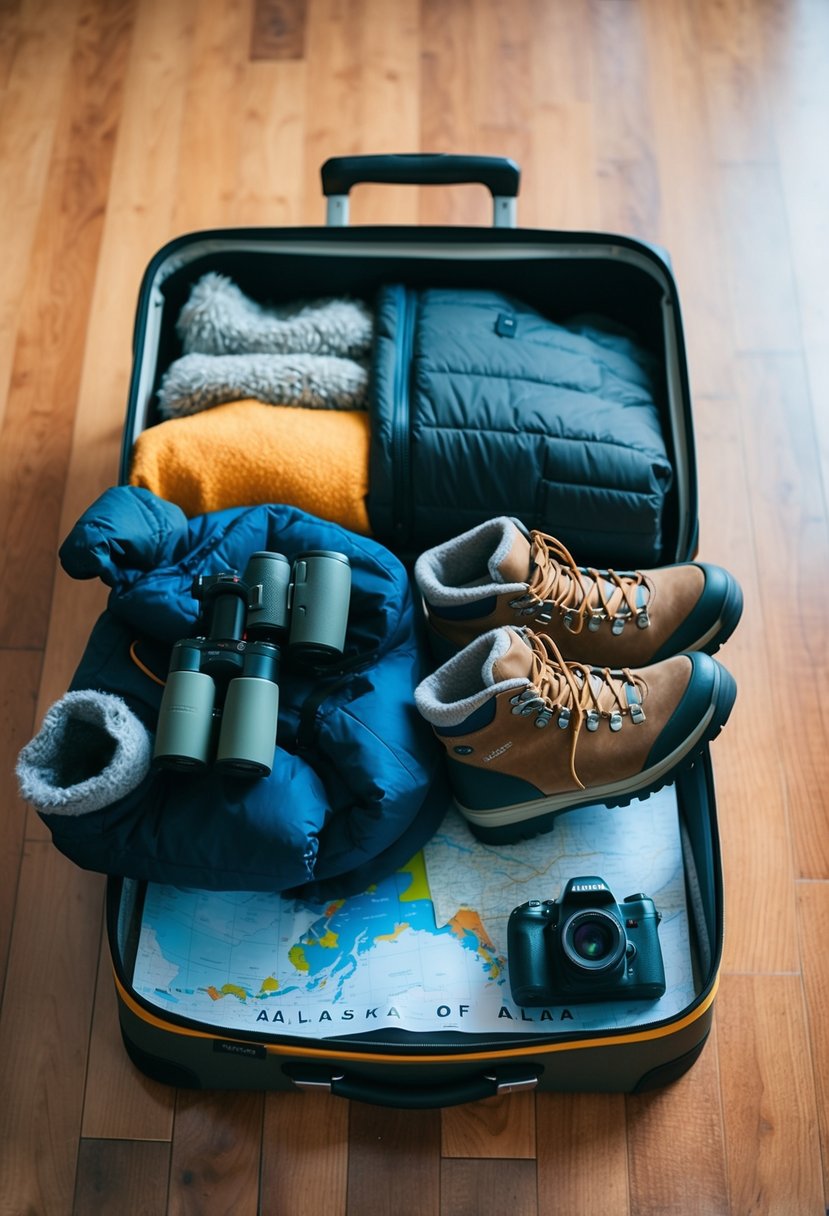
507	1079
500	175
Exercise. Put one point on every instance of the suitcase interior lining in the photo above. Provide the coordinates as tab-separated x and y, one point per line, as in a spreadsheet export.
583	276
703	896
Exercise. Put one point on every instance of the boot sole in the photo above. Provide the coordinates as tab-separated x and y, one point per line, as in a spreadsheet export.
522	821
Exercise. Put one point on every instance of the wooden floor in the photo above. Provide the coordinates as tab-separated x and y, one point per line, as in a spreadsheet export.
700	124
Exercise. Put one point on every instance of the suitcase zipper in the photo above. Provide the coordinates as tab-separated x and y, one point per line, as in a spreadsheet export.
401	470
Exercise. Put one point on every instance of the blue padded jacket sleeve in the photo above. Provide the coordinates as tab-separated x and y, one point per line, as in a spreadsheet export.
126	529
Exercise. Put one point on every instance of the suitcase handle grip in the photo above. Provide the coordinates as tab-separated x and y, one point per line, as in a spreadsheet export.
500	175
414	1097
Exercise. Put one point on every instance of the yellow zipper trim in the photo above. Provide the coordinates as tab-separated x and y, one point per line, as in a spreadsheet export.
322	1053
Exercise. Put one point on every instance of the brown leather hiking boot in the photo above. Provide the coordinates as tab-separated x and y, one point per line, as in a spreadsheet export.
497	574
528	735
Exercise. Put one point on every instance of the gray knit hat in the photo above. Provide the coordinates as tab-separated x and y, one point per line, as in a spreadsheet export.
90	751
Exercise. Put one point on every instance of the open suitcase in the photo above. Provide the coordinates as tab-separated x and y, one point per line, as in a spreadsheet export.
557	272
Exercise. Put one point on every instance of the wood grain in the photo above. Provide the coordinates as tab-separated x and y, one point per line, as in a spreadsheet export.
44	1030
30	107
121	1178
676	1159
582	1154
394	1161
120	1103
217	1142
695	123
19	676
813	919
304	1155
768	1099
499	1127
278	29
486	1188
53	316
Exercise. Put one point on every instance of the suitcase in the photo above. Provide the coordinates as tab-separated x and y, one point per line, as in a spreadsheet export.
442	1064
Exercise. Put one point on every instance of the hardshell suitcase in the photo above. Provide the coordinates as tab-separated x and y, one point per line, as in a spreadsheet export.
558	272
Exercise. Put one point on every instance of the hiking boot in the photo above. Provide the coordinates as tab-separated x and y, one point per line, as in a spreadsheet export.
528	735
497	574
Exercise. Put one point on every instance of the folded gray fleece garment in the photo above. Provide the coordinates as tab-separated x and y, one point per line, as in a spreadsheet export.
304	354
219	319
197	382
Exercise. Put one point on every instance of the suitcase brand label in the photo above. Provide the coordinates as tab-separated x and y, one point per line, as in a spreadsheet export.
250	1050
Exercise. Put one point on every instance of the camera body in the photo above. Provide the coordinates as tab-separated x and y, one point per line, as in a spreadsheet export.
585	947
222	689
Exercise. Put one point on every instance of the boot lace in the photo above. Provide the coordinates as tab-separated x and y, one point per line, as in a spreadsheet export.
581	593
577	695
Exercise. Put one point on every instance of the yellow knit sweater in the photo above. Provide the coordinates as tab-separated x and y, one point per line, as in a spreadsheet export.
244	453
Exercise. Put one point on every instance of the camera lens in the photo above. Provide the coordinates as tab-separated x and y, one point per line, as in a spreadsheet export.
593	941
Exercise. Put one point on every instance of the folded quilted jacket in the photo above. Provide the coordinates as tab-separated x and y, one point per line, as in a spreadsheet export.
357	783
481	406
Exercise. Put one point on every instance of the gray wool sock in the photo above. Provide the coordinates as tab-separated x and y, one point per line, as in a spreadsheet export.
219	319
90	751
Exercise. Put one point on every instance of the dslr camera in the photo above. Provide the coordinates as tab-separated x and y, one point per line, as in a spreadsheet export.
222	690
585	947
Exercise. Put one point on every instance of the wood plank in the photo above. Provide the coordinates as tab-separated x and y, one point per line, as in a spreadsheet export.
47	363
120	1103
627	168
205	190
793	40
35	51
453	73
749	763
790	524
562	41
688	221
19	676
813	918
731	61
676	1147
757	258
562	190
498	1127
138	221
9	37
768	1097
361	97
270	149
582	1154
393	1161
214	1165
44	1030
304	1155
278	29
488	1188
121	1178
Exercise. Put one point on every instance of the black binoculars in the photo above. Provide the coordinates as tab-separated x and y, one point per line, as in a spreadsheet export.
222	690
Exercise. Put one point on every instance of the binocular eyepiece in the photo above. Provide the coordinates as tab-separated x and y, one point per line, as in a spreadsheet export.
222	690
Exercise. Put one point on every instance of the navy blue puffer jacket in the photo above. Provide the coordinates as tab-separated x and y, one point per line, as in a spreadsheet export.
357	784
481	406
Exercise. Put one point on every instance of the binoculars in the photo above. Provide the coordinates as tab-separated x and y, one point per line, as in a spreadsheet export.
222	690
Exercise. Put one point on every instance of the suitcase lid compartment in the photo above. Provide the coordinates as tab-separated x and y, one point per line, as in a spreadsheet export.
559	274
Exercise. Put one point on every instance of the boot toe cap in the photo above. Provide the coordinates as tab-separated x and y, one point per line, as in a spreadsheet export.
713	617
